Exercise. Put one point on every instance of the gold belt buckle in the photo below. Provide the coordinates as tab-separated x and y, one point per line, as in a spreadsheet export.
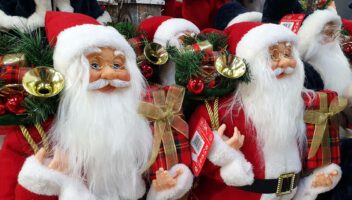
282	177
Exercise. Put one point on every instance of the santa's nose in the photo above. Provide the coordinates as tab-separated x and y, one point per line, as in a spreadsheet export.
287	62
107	73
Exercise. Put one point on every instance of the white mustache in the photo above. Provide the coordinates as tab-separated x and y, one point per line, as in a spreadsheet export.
98	84
288	70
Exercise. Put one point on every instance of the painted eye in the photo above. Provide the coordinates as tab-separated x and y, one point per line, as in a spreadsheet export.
95	66
116	66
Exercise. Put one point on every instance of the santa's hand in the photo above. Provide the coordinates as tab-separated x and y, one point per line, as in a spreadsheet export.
59	162
324	180
236	141
321	180
164	180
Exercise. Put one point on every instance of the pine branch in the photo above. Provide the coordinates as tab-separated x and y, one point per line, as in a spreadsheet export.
126	29
39	109
219	41
6	43
35	47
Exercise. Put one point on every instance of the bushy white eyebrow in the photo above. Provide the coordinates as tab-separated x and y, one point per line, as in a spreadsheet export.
92	50
117	53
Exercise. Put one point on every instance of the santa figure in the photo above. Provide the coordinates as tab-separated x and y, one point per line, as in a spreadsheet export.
318	43
99	143
27	15
165	31
257	151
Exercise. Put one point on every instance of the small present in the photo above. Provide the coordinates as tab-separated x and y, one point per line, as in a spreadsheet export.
321	118
162	106
12	59
12	74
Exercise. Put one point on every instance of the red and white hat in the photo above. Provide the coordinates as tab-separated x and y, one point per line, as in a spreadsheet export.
74	33
161	29
247	39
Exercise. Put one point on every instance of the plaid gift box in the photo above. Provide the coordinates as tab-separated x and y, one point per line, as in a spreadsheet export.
12	74
322	128
173	148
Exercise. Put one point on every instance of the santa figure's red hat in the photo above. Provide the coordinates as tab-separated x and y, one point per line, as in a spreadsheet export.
161	29
247	39
74	33
347	25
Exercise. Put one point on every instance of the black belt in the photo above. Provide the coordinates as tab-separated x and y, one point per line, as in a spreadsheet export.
280	186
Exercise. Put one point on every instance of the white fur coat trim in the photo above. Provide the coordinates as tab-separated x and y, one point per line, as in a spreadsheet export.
246	17
41	180
305	189
64	5
235	170
29	24
104	18
183	185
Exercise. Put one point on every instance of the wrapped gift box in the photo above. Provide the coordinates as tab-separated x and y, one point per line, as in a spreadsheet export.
321	118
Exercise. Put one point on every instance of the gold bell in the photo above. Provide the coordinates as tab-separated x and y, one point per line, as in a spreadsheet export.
230	66
156	54
43	82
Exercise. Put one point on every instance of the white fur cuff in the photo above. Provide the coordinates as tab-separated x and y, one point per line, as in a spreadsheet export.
237	173
183	185
39	179
305	189
222	154
104	18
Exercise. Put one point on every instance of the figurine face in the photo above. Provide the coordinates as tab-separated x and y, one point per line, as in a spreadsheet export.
283	62
107	70
330	32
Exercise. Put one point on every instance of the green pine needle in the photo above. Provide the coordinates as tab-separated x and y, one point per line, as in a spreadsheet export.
219	41
39	109
6	43
189	40
187	64
35	47
128	30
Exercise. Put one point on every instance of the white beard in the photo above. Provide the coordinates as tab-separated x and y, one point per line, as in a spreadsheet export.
274	106
331	64
107	142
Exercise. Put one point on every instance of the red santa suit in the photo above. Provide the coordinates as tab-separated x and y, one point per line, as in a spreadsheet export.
200	12
15	150
254	171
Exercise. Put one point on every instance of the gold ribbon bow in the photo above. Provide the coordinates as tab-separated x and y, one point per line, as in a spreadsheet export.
320	120
165	113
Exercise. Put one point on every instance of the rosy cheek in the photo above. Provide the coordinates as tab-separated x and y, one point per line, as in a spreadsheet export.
124	75
93	75
293	63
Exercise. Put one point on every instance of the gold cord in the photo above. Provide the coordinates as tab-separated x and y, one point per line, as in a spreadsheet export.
214	115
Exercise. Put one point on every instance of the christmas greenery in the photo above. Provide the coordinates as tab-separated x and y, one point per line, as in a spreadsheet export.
35	47
219	41
126	29
6	43
37	52
39	109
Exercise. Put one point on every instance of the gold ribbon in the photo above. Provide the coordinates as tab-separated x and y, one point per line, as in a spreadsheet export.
320	120
166	114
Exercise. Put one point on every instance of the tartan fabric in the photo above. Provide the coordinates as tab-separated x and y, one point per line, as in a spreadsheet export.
312	102
181	143
10	74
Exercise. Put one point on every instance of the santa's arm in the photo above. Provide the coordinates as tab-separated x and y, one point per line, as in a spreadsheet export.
183	184
306	189
232	167
39	179
235	170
